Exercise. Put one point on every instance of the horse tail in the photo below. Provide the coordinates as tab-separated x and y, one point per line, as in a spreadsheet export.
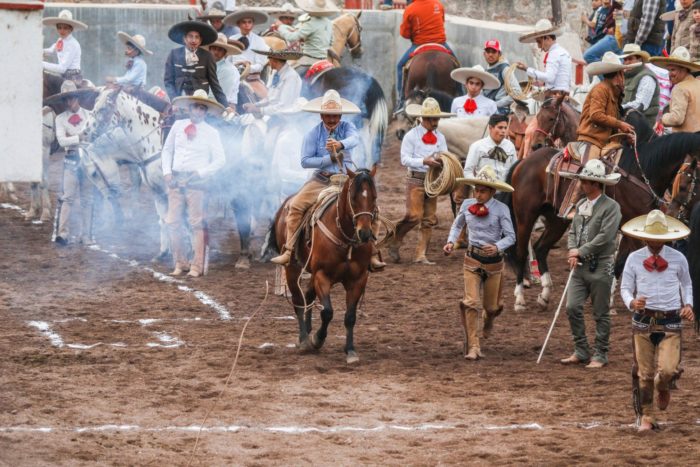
378	123
269	246
694	258
507	199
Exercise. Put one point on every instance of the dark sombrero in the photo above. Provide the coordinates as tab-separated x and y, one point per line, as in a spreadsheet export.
68	90
285	54
177	33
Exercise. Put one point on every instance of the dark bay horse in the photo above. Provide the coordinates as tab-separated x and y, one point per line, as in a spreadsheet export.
557	122
341	256
660	160
694	258
686	191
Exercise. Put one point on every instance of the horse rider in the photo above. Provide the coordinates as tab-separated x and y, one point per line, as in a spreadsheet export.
642	88
592	246
192	153
600	118
287	16
229	77
656	288
245	19
70	126
645	26
284	85
328	149
190	67
474	103
495	150
683	112
314	30
420	150
136	68
423	23
497	65
215	16
490	234
66	48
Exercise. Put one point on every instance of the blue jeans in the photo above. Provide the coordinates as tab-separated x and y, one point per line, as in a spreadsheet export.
399	69
653	50
595	52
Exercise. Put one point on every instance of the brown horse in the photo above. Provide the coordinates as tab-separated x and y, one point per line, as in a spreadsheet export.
685	192
339	252
556	125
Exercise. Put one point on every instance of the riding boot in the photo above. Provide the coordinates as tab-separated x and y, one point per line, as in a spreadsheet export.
422	248
472	321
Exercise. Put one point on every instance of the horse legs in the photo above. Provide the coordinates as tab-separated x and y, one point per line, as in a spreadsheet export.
323	290
525	221
353	293
161	202
552	233
242	213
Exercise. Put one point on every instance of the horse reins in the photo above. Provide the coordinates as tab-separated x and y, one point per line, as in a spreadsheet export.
548	136
683	206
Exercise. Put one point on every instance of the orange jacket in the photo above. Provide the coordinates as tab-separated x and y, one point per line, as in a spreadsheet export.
424	22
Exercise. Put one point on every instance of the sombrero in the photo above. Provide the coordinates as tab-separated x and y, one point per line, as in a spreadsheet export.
679	57
461	75
138	41
430	109
655	226
199	97
486	176
65	17
285	54
215	12
610	63
68	90
543	27
222	42
594	171
259	17
318	7
287	9
331	104
633	49
177	33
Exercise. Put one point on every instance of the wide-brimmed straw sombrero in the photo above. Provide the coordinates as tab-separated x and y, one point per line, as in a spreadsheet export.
285	54
430	109
610	63
318	7
331	104
215	12
223	43
631	50
68	90
178	32
65	17
679	57
486	176
288	10
594	171
543	27
655	226
200	96
258	17
137	41
461	75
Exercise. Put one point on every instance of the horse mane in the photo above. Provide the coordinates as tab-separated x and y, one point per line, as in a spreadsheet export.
361	176
657	154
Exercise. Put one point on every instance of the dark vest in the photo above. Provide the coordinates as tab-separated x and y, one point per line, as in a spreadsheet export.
496	71
632	79
656	35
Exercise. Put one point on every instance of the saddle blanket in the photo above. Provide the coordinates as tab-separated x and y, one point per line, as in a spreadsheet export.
432	47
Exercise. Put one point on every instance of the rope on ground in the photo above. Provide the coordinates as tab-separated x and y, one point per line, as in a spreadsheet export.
230	374
441	180
519	95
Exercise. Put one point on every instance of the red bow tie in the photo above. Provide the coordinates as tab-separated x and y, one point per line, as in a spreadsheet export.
75	120
59	45
470	106
191	131
479	210
546	56
429	137
655	263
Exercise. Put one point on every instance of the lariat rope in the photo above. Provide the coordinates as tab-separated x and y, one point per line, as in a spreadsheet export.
441	180
518	95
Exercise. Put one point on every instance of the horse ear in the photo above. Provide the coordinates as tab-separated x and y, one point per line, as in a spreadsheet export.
560	99
358	14
373	172
351	174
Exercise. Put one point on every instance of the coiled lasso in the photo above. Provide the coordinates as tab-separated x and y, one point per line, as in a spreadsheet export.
441	180
521	95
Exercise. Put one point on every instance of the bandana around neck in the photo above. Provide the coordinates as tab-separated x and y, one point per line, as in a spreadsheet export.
655	263
429	137
470	106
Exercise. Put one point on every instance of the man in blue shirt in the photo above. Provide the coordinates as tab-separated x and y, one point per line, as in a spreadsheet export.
136	67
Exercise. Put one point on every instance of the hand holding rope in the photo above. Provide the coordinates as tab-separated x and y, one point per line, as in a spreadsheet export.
518	95
441	180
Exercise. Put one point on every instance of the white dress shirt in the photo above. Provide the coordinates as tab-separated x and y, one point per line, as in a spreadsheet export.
136	75
229	79
414	150
68	57
257	61
645	91
67	134
557	71
664	291
480	155
485	107
284	94
203	154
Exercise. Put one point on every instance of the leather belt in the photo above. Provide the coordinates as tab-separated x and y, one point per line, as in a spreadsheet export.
416	174
483	257
657	314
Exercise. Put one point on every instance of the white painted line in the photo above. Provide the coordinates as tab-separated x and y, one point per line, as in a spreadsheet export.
527	426
166	341
13	207
266	345
46	330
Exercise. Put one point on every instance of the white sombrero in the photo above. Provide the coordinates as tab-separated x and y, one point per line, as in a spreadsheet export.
461	75
287	9
543	27
655	226
679	57
223	43
430	109
199	97
486	176
258	17
331	104
610	63
594	171
138	41
65	17
318	7
634	50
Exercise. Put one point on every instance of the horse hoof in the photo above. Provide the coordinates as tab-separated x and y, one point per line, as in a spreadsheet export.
45	216
307	346
352	358
243	263
520	308
542	302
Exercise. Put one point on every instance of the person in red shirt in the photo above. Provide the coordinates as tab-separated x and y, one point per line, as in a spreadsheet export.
423	23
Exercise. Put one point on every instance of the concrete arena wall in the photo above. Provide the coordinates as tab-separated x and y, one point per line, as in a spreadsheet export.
382	44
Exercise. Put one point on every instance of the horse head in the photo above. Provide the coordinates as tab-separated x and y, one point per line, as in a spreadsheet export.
347	32
684	194
643	130
361	202
556	120
101	117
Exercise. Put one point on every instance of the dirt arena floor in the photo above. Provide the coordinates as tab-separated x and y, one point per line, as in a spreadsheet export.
106	361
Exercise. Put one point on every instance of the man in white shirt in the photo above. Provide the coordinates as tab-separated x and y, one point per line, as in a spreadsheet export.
284	84
246	19
656	287
420	149
229	77
474	103
66	48
557	61
494	150
192	153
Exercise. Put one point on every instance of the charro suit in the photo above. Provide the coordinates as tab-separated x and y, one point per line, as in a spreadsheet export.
180	78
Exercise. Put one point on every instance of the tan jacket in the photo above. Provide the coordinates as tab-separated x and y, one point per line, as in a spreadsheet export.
599	117
684	108
681	30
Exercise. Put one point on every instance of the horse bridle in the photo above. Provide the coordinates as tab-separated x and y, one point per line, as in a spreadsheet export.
352	241
548	136
683	206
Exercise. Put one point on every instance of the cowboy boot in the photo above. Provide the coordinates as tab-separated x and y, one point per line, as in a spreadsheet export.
472	319
422	248
283	259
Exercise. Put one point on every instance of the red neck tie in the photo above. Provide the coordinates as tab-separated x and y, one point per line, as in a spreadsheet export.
75	120
655	263
429	137
470	106
59	45
546	56
191	131
479	210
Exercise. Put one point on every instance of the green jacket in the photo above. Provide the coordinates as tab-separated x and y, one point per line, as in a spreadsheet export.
315	31
595	236
632	79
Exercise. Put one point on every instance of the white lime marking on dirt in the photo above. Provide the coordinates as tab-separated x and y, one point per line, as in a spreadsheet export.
265	345
166	340
46	330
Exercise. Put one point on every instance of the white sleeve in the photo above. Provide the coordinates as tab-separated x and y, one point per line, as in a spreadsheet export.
628	284
472	161
62	136
686	284
168	151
